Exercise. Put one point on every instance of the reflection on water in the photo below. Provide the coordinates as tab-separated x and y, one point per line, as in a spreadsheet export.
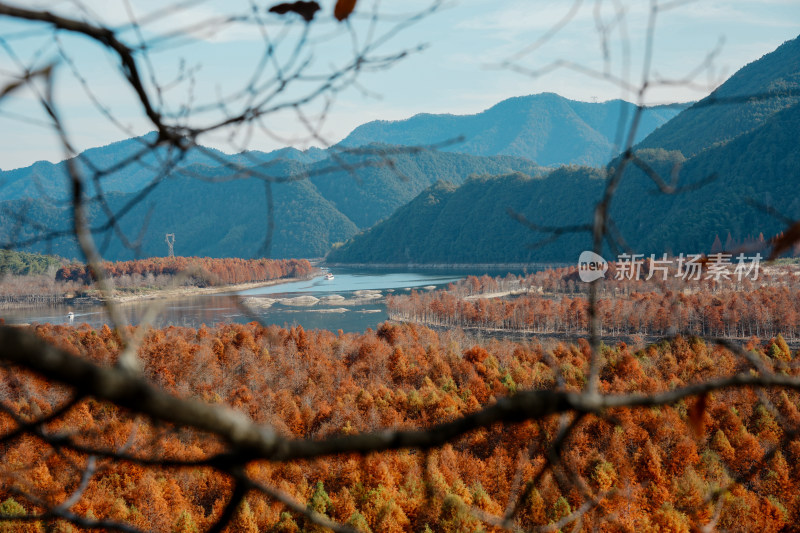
352	301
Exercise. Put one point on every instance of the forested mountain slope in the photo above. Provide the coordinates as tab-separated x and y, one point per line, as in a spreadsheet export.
744	102
318	200
739	158
471	224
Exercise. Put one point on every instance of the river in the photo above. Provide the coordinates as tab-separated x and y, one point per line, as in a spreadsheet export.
353	301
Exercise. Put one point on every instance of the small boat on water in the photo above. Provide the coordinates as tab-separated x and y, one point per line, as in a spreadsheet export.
328	275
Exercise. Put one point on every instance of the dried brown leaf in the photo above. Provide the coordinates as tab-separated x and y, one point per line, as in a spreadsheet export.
343	9
307	10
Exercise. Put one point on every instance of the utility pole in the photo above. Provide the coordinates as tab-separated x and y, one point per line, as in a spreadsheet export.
171	243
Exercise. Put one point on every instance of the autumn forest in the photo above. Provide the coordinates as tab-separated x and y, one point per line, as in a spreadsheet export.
654	468
355	266
555	302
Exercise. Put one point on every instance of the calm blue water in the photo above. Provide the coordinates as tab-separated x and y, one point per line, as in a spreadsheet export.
340	303
348	281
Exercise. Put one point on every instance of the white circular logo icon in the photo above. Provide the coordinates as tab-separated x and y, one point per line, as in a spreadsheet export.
591	267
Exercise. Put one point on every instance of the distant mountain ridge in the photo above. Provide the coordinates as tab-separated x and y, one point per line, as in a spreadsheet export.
741	159
46	179
320	197
546	128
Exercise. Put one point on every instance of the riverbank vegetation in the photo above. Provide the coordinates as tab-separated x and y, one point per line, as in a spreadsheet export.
556	301
650	469
13	263
198	271
63	282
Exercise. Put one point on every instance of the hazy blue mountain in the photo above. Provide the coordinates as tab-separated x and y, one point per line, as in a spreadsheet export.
375	190
309	156
739	157
471	223
318	200
45	179
227	219
545	128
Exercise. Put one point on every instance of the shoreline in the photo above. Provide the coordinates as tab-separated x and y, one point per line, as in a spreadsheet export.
447	266
148	295
560	336
181	292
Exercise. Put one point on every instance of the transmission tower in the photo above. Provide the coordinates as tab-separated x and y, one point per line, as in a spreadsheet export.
171	243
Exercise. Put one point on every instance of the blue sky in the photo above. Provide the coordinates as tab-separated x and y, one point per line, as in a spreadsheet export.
463	68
